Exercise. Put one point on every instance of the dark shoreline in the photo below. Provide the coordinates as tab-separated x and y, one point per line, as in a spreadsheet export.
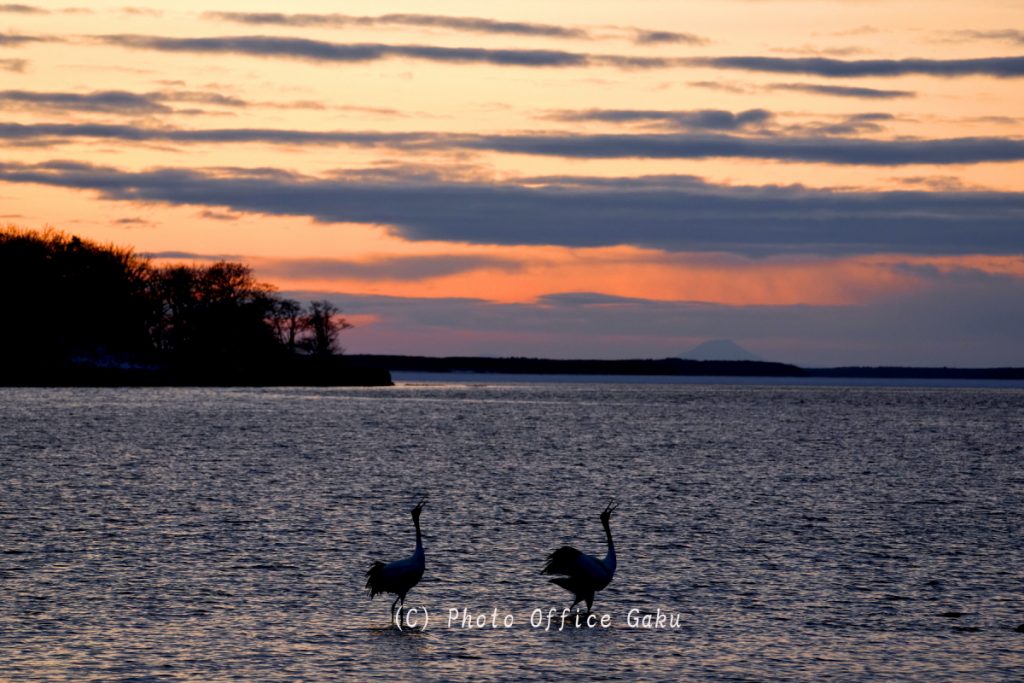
666	367
296	372
367	370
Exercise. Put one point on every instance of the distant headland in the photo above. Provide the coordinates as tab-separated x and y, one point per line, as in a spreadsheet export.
677	367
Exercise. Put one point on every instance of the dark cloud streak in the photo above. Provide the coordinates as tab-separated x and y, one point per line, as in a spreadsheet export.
117	101
404	268
700	119
323	51
15	39
470	24
843	91
14	131
434	21
688	216
316	50
22	9
829	150
1001	67
133	104
1006	35
821	147
645	37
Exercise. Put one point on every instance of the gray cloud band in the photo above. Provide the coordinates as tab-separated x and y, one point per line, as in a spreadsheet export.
431	21
683	215
316	50
819	149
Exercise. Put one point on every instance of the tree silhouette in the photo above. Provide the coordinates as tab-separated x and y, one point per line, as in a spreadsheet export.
66	297
213	314
323	325
288	322
76	303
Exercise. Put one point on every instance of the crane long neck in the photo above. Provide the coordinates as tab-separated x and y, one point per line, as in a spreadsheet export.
610	558
419	537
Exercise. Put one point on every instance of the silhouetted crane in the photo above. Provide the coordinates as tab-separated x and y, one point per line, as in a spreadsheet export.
400	576
583	575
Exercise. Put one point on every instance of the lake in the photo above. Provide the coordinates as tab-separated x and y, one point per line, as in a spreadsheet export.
794	532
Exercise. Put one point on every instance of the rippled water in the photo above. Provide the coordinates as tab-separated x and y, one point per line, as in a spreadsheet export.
799	532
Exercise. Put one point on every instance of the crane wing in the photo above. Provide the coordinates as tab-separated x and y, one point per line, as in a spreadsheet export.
394	577
563	561
568	561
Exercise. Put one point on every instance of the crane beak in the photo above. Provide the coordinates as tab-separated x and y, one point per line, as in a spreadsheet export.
610	508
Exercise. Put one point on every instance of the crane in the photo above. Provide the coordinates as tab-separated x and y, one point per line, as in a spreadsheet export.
583	575
400	576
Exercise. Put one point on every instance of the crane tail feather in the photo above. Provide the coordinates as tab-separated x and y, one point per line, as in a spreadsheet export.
375	579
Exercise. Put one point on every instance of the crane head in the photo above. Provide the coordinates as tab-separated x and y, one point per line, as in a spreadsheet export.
418	509
608	510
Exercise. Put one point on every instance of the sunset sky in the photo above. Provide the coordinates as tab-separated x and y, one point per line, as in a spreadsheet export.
826	182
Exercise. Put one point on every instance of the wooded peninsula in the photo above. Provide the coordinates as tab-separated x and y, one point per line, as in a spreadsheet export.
82	313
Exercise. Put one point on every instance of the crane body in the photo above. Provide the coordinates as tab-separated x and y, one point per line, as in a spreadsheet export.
580	574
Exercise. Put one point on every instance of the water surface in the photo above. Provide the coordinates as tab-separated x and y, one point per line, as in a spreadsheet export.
800	533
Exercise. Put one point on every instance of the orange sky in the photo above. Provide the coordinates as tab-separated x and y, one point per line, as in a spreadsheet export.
94	103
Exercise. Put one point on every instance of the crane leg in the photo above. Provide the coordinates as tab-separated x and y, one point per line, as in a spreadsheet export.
590	601
393	605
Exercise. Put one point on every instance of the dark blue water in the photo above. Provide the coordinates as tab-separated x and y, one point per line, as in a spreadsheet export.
800	533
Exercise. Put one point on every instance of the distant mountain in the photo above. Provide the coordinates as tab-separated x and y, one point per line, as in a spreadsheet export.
719	349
